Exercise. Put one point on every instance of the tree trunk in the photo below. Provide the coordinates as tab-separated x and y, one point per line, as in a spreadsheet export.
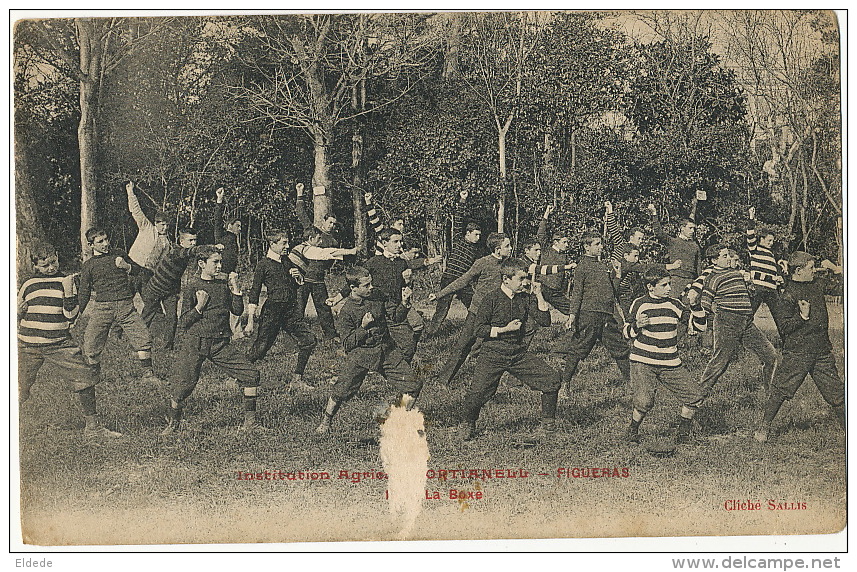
434	229
87	133
501	192
453	41
322	203
804	199
360	230
28	230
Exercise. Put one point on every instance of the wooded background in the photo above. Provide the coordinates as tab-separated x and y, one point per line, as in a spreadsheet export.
522	109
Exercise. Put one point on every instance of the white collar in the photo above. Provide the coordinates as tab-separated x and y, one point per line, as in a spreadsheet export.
507	292
274	256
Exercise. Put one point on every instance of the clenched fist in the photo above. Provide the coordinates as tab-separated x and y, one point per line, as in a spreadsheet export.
122	264
201	300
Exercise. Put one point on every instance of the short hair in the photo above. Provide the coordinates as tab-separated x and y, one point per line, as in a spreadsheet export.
798	259
654	275
713	251
764	232
42	252
311	233
188	231
530	242
232	220
94	233
589	238
512	265
558	234
354	274
394	216
628	248
634	230
205	252
494	240
683	222
161	216
471	226
277	235
387	233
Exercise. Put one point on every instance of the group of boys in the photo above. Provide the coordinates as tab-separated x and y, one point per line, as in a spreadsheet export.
627	305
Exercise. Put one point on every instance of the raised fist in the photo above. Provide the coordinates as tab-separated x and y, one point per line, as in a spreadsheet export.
219	193
608	206
300	189
549	210
122	264
201	299
651	208
752	212
367	197
129	187
464	194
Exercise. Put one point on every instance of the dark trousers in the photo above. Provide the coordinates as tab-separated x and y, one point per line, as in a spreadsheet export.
557	299
731	330
140	278
764	295
465	295
319	293
152	307
403	335
386	360
589	328
195	350
794	368
458	354
286	317
529	369
65	356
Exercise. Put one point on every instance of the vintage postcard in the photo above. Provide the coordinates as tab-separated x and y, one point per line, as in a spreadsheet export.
317	277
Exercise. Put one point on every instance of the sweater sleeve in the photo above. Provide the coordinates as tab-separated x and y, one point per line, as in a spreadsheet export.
350	330
189	314
137	211
542	232
659	229
237	305
374	218
303	215
85	289
482	327
472	274
578	284
787	315
541	317
630	329
218	223
613	232
458	215
256	288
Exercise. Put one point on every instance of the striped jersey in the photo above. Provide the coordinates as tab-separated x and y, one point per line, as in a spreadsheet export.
49	312
697	284
657	342
727	290
763	266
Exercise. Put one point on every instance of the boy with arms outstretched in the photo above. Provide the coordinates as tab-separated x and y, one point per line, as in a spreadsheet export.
47	305
801	316
107	273
652	326
207	303
365	335
499	322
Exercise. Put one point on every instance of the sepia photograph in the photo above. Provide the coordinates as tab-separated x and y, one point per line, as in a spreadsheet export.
347	276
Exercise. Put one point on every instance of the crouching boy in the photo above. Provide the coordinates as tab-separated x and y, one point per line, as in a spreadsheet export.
47	305
802	319
207	303
364	330
652	326
499	321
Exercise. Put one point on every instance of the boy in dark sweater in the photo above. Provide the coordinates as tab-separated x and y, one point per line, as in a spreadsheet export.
726	295
554	287
680	247
499	322
207	303
485	275
163	288
801	316
281	310
366	338
47	305
652	325
107	273
591	311
463	252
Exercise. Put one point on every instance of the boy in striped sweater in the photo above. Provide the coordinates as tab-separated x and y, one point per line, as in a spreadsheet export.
726	295
763	265
47	306
652	326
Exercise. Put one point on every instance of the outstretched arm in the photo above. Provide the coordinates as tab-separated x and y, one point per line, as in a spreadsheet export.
300	208
135	208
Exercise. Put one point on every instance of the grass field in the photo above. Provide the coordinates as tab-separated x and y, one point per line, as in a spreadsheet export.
145	488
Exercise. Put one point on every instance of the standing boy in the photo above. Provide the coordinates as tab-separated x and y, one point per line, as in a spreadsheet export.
366	338
47	305
680	247
619	241
763	266
227	236
485	275
652	325
208	302
801	316
591	312
462	254
164	286
726	295
314	284
499	321
281	310
151	243
107	273
554	287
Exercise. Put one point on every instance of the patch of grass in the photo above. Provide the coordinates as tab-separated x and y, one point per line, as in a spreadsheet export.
195	472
